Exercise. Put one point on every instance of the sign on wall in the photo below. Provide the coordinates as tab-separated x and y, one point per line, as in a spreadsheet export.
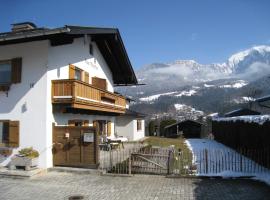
88	137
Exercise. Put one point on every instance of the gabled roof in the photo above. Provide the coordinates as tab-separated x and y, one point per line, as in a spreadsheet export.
108	40
263	99
185	121
241	112
134	114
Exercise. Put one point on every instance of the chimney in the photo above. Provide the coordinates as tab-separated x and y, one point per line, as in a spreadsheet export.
24	26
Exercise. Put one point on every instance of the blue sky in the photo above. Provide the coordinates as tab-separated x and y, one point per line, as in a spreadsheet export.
157	30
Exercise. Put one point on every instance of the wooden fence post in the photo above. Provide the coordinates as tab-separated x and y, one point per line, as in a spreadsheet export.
129	164
111	159
206	160
169	162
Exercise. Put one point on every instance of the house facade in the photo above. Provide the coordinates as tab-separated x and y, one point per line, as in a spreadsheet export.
55	85
131	125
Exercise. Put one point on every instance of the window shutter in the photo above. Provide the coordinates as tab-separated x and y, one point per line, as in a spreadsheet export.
13	138
71	72
109	128
99	83
86	77
96	126
16	70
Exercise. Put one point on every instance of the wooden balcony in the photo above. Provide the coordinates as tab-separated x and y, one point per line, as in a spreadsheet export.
80	95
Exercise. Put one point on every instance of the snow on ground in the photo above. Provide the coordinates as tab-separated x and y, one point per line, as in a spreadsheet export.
186	93
179	106
248	99
156	96
243	99
238	84
186	108
260	119
224	161
212	115
207	86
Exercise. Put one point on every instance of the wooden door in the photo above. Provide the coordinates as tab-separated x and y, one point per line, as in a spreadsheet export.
70	147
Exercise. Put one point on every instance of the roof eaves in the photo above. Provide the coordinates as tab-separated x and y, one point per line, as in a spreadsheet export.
126	55
30	34
90	30
263	99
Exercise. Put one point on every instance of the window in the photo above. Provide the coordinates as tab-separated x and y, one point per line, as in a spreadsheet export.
9	133
139	124
10	73
4	130
91	49
5	72
78	74
78	122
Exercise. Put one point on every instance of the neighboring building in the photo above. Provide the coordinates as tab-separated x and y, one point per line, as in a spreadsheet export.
55	85
131	125
264	102
241	112
187	129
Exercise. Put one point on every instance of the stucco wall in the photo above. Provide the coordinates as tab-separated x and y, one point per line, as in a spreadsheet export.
78	54
25	104
140	133
126	126
32	106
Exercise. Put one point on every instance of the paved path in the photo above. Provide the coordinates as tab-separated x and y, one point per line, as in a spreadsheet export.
60	185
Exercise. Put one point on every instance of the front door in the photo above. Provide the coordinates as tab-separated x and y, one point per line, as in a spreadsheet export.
75	146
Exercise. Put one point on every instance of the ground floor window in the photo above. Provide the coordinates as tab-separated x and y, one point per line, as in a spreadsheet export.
4	129
78	122
139	124
9	133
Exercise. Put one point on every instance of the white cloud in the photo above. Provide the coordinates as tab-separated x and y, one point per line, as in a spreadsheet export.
194	36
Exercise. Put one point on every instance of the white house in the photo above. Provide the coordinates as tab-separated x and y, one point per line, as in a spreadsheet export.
130	125
56	85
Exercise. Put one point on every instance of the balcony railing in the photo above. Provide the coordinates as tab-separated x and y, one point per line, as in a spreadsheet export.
81	95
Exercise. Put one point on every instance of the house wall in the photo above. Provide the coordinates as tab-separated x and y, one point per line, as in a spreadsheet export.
126	126
43	63
77	53
140	133
25	104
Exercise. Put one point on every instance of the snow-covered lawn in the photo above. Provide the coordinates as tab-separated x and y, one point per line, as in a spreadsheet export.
215	159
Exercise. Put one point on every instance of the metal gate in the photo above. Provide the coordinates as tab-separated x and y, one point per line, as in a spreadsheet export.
75	146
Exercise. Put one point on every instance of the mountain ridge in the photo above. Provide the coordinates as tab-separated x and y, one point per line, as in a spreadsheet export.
184	82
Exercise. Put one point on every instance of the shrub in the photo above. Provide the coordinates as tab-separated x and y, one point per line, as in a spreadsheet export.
29	152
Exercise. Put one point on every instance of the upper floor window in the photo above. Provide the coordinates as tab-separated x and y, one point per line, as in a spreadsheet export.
78	74
5	72
10	72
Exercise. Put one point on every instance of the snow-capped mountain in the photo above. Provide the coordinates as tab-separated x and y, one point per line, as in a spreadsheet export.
189	82
242	61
